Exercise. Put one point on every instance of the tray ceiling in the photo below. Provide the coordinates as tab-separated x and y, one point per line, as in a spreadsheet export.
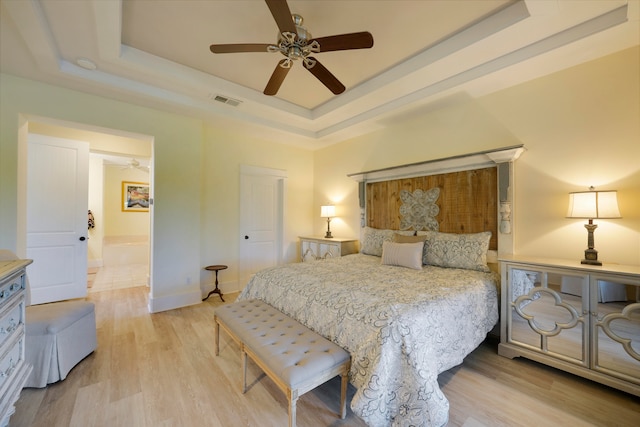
156	54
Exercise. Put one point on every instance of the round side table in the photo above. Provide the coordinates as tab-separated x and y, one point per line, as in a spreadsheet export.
215	268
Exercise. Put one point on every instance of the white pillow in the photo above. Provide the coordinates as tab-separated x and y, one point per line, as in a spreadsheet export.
403	254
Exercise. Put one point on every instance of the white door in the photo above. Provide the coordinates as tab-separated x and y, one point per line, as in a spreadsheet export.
261	220
57	197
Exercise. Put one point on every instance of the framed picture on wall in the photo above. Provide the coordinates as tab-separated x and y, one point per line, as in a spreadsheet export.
135	196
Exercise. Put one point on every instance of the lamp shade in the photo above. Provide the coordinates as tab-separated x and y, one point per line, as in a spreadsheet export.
593	204
327	211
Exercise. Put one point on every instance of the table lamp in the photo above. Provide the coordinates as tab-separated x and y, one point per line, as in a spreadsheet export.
328	212
590	205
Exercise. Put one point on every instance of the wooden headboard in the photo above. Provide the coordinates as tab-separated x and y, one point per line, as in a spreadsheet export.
476	193
468	201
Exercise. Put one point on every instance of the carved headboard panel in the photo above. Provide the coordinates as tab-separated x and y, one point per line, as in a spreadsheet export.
468	201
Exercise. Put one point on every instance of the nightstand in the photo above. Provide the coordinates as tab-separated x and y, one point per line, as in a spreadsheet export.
318	247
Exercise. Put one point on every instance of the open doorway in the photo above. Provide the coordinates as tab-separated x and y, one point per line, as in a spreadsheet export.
119	210
116	158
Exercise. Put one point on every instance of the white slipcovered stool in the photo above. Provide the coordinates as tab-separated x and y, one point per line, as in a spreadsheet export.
58	336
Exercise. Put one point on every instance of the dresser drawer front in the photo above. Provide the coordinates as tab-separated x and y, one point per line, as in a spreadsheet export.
11	287
11	320
11	361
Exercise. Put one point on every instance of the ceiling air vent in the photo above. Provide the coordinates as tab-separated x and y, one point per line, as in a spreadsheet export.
226	100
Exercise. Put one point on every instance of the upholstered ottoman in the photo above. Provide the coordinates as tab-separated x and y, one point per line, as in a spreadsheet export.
58	336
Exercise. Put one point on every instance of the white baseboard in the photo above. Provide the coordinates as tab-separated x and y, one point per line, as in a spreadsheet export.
170	302
226	287
95	263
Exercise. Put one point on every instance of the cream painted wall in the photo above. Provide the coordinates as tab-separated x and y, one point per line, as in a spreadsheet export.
177	140
583	129
222	155
196	168
96	198
580	127
117	222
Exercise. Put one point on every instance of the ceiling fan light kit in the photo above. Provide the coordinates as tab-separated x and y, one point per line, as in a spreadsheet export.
295	42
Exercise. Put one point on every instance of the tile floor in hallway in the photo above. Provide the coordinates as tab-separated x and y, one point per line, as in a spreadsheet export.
117	277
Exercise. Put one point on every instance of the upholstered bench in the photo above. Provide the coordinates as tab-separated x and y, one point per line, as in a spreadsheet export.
292	355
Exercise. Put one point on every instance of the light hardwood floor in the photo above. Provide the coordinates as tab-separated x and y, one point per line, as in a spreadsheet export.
160	370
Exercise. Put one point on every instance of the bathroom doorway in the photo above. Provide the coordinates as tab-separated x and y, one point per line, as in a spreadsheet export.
111	162
122	259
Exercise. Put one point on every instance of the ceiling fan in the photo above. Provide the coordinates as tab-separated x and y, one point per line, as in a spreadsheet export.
295	42
135	164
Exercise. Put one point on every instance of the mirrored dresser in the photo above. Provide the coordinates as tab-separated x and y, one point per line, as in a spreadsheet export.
583	319
14	370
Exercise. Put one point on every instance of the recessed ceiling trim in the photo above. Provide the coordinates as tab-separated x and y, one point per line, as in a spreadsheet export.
179	77
455	42
456	63
108	18
34	29
580	31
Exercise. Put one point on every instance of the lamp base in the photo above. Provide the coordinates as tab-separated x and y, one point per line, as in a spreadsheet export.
328	235
590	254
590	257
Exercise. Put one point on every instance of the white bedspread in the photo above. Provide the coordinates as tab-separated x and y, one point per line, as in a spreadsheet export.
402	327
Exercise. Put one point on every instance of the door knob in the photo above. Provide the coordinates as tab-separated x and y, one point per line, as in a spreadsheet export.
246	237
82	238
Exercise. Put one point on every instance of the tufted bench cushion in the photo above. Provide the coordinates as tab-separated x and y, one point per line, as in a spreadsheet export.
292	355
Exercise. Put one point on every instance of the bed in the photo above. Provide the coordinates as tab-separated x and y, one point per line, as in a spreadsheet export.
403	326
413	303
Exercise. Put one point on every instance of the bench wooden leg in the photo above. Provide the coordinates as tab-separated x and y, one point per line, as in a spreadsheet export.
216	334
244	371
343	394
293	399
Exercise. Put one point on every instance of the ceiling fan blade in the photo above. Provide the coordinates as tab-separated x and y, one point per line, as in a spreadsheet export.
324	75
241	47
362	40
276	78
282	15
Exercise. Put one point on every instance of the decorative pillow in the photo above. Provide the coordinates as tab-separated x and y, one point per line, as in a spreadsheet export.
401	238
372	239
403	254
468	251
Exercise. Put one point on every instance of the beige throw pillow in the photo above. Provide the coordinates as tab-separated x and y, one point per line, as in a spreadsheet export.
403	254
400	238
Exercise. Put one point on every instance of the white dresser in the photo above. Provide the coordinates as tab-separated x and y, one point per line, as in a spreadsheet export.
583	319
317	247
14	371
